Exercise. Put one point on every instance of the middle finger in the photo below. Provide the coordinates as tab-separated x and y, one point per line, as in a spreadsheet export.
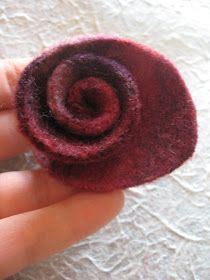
23	191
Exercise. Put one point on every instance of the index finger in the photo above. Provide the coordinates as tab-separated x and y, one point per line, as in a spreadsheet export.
10	71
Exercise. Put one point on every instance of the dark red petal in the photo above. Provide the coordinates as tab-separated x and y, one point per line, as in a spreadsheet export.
106	113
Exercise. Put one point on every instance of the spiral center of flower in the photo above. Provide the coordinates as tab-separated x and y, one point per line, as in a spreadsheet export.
91	103
92	98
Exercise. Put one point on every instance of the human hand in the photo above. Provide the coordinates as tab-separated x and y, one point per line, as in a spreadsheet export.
38	215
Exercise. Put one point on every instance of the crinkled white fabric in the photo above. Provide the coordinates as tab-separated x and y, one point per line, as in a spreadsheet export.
163	231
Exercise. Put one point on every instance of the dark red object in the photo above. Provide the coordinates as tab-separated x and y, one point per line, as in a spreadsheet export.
106	113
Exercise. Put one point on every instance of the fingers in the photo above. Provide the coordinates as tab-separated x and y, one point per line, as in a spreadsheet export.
29	237
24	191
10	70
12	142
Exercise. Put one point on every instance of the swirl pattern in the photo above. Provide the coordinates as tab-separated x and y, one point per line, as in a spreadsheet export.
106	113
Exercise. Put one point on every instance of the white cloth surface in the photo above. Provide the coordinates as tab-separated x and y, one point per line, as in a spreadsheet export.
163	232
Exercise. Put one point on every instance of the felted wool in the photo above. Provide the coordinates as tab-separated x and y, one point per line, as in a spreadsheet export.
105	113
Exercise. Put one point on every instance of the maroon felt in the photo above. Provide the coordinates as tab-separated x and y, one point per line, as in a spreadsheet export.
105	113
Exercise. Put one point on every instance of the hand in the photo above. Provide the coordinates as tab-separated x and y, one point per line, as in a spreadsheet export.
38	215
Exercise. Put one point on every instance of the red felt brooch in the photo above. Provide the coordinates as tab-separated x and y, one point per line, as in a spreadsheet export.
105	113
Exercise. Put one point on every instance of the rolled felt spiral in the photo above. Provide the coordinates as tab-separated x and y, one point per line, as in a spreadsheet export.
104	113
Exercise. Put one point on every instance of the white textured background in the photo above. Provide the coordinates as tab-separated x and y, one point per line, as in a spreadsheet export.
163	232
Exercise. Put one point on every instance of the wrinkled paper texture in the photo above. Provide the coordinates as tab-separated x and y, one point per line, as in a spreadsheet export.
163	232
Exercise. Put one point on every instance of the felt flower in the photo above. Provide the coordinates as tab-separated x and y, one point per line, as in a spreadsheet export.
104	113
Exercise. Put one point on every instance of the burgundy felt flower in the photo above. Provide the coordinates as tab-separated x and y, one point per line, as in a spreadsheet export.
105	113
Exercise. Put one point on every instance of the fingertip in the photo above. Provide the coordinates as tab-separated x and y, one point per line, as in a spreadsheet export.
96	209
118	198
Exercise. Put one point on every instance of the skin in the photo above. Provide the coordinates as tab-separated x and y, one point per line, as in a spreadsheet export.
38	215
